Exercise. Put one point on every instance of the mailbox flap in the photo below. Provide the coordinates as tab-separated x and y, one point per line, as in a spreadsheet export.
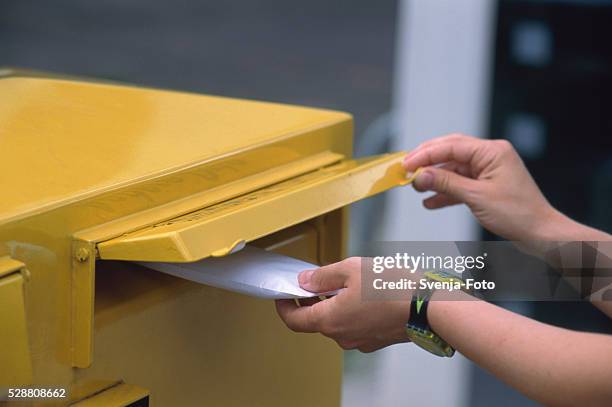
219	229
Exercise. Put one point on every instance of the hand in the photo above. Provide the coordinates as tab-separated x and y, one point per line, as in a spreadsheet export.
346	318
490	178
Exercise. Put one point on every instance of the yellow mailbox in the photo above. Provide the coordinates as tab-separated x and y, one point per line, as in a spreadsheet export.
95	175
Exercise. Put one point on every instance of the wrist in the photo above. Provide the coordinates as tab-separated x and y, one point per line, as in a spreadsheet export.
551	225
555	226
442	312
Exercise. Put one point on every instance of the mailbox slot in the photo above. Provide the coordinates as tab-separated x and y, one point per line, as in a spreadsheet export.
310	200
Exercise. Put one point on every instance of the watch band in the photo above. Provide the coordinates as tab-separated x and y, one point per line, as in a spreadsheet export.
418	309
418	328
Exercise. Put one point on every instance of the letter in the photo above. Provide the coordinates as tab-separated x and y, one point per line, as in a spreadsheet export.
377	267
398	260
405	261
469	262
459	261
437	262
480	262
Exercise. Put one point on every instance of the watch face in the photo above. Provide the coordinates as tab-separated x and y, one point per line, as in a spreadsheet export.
430	343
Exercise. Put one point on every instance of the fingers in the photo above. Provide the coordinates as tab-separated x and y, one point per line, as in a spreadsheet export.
456	188
308	301
439	201
452	179
442	150
328	278
461	169
299	319
453	137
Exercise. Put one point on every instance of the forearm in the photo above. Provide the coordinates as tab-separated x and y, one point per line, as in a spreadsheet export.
558	228
549	364
561	228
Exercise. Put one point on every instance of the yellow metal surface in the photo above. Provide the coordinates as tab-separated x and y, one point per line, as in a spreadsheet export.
82	138
15	362
193	345
82	311
10	266
118	395
208	197
216	229
88	163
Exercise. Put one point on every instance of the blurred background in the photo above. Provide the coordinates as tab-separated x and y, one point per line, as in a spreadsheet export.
536	72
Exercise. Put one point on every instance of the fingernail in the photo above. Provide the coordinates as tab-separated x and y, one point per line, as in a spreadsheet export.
304	277
408	158
425	180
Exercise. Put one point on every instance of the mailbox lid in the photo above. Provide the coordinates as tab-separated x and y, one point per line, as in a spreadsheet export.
219	229
81	139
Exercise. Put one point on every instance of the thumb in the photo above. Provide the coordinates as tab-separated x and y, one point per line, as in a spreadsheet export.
324	279
445	182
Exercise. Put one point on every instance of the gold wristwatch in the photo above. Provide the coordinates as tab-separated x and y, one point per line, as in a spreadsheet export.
417	327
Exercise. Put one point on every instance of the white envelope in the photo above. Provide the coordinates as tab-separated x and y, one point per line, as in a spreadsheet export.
250	271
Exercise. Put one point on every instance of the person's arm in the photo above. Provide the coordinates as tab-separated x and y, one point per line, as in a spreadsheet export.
552	365
564	229
490	178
